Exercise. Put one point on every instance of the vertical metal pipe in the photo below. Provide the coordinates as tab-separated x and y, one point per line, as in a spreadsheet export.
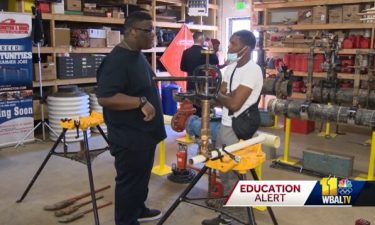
310	73
205	130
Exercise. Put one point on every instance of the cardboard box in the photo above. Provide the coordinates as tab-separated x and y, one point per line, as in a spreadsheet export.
304	16
73	5
62	37
349	14
97	42
58	7
320	15
118	15
48	71
113	38
335	15
97	33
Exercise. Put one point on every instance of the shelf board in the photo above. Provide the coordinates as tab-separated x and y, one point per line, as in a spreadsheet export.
82	19
163	74
87	50
316	50
44	50
343	76
337	26
179	3
46	83
191	26
294	4
155	49
105	20
297	95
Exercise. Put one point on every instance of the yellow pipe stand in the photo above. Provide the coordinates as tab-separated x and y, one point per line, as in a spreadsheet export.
276	122
371	166
285	158
326	134
370	175
186	140
258	171
161	169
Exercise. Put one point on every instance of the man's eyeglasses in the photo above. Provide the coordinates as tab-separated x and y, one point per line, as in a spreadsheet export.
148	31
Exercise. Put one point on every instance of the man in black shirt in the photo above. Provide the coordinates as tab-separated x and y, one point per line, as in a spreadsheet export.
133	114
192	58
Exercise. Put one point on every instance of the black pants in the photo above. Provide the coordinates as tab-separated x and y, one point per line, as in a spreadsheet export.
133	166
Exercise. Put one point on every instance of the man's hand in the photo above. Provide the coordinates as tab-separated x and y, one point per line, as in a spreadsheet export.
149	111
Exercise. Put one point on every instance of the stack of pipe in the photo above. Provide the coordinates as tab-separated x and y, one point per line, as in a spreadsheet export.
322	112
366	98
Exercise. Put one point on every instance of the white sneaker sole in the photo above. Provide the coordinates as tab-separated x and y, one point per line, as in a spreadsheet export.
150	218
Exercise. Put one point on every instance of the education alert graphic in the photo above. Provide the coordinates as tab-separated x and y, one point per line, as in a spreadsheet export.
329	191
16	93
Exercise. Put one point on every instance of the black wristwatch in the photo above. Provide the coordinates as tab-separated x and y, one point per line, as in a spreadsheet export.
143	101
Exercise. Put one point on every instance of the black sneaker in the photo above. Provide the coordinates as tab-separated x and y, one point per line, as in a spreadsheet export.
217	221
150	215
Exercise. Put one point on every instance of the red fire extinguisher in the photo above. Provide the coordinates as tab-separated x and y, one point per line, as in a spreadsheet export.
181	158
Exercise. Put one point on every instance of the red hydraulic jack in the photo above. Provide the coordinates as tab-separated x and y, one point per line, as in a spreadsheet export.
215	187
181	174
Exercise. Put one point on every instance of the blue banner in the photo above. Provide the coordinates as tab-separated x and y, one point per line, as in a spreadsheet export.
16	87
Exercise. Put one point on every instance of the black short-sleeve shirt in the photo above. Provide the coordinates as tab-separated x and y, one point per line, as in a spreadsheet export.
128	72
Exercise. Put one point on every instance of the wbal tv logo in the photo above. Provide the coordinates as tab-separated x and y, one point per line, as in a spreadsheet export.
336	192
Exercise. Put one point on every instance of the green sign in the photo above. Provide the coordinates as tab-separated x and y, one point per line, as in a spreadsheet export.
240	5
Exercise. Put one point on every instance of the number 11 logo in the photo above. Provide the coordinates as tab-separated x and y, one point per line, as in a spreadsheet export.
329	186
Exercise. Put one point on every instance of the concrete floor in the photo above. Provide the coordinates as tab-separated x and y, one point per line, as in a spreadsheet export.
64	178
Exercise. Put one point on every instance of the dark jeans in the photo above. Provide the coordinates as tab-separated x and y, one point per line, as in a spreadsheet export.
133	166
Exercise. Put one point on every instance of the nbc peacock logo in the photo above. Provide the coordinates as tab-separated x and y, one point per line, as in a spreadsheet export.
336	192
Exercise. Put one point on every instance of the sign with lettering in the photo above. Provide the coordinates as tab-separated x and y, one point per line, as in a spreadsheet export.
16	87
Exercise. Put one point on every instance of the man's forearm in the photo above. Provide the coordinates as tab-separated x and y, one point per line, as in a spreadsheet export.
120	102
225	100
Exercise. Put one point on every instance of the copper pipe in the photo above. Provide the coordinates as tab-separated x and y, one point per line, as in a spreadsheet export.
205	130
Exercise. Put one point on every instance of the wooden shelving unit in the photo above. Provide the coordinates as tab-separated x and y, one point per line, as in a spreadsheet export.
296	4
306	50
51	21
267	8
337	26
57	18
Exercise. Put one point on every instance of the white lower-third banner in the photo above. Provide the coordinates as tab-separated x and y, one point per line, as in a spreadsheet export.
270	193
